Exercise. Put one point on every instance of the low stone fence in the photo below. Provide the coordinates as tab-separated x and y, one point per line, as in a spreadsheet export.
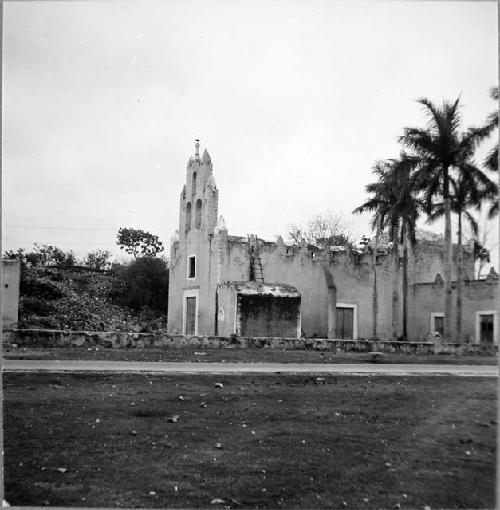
116	339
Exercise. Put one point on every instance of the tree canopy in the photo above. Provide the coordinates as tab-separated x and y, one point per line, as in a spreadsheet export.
139	243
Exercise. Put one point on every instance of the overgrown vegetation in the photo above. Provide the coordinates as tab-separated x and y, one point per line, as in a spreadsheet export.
79	299
97	296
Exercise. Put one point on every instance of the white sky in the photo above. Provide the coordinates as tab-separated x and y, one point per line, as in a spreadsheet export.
294	100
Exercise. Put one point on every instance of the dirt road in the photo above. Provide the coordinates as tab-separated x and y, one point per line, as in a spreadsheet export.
247	368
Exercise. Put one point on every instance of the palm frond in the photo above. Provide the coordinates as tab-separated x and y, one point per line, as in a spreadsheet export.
472	222
493	211
491	161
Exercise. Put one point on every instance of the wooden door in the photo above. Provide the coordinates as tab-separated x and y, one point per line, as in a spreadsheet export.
345	323
191	316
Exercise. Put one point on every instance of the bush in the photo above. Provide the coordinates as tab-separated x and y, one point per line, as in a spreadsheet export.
144	284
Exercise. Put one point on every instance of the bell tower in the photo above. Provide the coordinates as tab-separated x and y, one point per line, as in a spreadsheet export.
199	199
193	270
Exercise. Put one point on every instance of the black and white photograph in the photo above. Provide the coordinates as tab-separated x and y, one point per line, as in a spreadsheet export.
250	254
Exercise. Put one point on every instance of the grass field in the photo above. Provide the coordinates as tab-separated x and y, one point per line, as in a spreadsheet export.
234	355
268	442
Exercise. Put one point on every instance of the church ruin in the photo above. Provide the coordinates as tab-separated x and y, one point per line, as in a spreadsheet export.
223	285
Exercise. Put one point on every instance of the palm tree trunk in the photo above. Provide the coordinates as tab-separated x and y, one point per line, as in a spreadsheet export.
375	297
332	302
395	287
448	259
460	282
405	285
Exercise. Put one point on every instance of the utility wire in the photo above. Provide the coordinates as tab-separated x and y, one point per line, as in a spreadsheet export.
34	227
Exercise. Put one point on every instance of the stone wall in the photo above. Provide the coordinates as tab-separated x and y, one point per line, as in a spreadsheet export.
34	338
11	274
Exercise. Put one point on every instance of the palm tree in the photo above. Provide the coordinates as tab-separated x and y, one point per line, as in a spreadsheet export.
468	190
441	148
396	209
491	161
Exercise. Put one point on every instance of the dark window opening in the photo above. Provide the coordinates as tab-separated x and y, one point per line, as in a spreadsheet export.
197	214
193	184
188	216
192	267
439	325
486	328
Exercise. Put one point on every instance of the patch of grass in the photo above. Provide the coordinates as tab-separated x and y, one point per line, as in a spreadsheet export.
266	442
232	355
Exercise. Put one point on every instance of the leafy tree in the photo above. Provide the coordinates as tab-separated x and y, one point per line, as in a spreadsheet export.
43	255
144	283
328	229
396	209
98	259
139	243
441	148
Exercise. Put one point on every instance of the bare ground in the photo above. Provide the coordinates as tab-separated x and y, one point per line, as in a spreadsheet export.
285	441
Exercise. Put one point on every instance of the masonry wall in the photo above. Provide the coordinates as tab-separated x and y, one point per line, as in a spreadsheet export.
10	292
428	298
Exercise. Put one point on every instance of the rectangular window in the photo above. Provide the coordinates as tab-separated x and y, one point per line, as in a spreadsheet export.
191	267
437	323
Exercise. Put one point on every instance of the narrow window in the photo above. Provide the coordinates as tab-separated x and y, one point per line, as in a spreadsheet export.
191	267
188	216
193	184
197	216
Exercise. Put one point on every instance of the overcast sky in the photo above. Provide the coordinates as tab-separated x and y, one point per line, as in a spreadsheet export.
294	100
